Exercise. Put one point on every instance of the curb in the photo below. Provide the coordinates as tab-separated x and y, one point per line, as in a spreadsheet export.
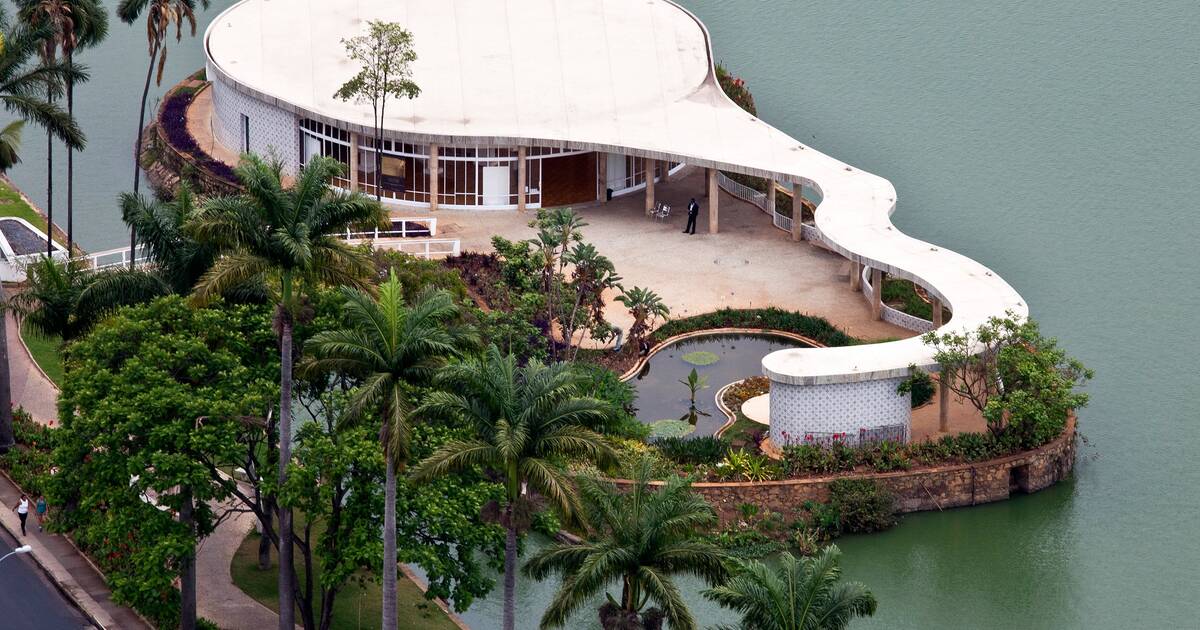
658	347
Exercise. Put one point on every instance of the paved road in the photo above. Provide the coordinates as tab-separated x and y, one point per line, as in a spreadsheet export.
28	601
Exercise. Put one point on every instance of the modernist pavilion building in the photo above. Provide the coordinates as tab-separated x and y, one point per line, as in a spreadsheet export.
540	103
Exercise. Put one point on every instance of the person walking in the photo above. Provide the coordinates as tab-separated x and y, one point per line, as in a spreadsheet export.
693	210
22	510
40	506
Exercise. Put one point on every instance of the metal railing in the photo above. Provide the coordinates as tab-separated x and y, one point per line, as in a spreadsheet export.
743	192
895	433
427	247
112	258
415	227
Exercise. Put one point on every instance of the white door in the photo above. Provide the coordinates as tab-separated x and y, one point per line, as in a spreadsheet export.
616	171
496	186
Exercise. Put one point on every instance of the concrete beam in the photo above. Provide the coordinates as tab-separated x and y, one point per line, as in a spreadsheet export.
649	183
521	177
797	212
876	293
433	177
714	196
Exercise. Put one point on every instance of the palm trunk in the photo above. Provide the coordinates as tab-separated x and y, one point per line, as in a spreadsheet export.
49	184
287	601
510	573
137	150
6	418
70	163
389	546
187	568
268	503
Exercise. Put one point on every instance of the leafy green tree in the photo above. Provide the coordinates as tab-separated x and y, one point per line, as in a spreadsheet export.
592	274
1022	383
802	594
384	55
526	421
161	15
391	347
640	538
285	238
151	398
646	307
10	145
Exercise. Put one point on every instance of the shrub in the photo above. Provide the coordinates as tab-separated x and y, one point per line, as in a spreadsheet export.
815	328
748	466
744	390
670	428
814	458
920	385
887	456
694	451
861	505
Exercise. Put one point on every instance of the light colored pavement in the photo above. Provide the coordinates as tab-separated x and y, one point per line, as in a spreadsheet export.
30	387
217	598
749	263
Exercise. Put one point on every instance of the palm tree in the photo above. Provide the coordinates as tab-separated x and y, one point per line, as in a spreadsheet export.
74	24
23	88
802	594
49	303
392	347
160	16
641	538
645	306
286	235
54	16
10	145
526	421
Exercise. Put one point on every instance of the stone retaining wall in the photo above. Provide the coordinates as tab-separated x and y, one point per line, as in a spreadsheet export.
917	490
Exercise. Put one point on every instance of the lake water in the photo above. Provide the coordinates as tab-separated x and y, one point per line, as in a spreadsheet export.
1058	143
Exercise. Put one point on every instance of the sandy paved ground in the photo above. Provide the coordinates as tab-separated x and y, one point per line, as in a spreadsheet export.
30	387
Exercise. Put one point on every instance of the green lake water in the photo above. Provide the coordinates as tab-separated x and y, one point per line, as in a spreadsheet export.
1056	142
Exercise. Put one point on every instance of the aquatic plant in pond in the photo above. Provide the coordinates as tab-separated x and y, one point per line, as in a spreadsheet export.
701	358
660	395
671	428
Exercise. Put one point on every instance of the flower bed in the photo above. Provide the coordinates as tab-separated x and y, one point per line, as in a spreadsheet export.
172	121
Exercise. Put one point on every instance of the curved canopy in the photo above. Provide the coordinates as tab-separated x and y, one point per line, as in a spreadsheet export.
626	76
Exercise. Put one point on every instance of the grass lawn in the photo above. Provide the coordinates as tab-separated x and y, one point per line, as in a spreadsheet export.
45	351
356	607
901	294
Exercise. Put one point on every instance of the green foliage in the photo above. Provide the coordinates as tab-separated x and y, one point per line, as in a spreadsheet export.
384	56
802	459
694	451
670	428
417	274
796	593
701	358
640	538
150	405
1023	383
903	294
814	328
546	523
746	466
745	543
604	384
735	88
854	506
920	384
646	307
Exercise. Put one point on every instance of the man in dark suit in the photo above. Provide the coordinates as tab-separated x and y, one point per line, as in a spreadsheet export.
693	210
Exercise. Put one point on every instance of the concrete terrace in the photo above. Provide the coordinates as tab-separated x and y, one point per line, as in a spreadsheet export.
749	263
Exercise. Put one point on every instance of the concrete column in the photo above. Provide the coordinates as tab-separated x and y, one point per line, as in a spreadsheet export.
943	402
521	177
713	196
771	198
602	177
855	275
649	182
353	161
433	177
666	171
876	293
937	313
797	212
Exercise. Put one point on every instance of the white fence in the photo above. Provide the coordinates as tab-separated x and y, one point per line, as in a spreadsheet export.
756	198
410	227
112	258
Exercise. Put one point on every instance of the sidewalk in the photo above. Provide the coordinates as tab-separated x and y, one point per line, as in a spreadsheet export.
218	599
67	567
30	387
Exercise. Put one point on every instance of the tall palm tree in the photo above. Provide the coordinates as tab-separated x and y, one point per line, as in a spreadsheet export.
645	306
286	236
392	347
23	85
802	594
10	145
641	538
160	16
526	421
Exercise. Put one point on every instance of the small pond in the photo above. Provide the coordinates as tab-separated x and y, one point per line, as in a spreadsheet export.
722	358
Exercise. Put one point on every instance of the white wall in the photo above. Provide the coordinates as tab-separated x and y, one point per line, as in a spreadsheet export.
273	131
836	408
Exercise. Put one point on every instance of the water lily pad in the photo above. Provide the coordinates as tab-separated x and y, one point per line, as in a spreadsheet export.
670	428
701	357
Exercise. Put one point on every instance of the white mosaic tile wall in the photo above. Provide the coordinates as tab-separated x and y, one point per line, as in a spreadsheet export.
273	131
893	315
797	410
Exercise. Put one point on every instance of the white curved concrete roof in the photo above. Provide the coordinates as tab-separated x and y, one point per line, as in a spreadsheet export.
629	76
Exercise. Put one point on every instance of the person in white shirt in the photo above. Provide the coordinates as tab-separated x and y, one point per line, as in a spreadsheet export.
22	510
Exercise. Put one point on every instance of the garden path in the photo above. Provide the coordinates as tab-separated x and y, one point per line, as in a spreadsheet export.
31	388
